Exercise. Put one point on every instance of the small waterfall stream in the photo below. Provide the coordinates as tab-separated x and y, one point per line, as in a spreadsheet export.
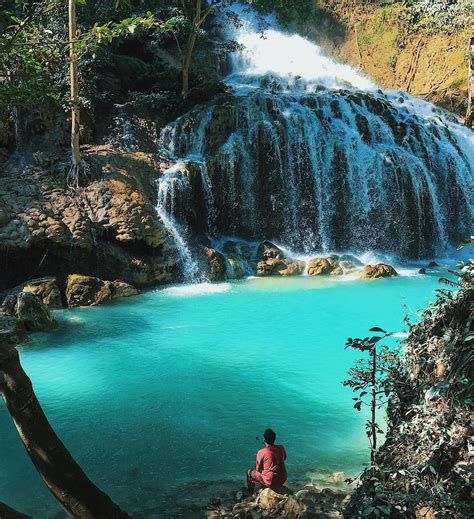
310	153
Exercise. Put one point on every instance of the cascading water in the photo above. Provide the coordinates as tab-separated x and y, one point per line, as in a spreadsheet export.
308	152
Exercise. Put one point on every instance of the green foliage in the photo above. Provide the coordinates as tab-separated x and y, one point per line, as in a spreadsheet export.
422	463
439	15
373	380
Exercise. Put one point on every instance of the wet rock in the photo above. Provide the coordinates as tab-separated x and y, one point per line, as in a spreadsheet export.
214	264
121	289
46	289
432	265
270	267
293	268
380	270
86	290
11	328
320	266
267	250
240	248
422	271
33	313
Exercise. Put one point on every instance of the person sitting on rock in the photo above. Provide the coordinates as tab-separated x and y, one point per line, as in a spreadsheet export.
270	468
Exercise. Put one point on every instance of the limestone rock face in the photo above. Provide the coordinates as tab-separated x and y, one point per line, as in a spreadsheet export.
321	266
213	264
104	228
46	289
380	270
33	313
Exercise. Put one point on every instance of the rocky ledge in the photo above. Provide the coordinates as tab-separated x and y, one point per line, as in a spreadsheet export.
106	228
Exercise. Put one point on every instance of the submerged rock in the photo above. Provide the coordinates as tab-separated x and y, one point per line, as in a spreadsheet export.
380	270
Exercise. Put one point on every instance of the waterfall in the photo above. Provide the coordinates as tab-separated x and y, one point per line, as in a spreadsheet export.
310	153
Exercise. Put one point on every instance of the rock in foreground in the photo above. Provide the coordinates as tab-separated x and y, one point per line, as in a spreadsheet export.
309	502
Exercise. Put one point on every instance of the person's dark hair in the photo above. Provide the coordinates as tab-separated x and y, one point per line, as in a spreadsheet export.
269	436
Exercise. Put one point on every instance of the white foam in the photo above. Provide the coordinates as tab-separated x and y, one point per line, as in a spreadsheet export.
197	289
288	57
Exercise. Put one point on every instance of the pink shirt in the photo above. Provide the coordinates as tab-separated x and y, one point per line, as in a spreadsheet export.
271	464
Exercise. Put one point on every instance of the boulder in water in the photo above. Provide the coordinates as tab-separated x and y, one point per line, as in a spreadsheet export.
86	290
422	271
432	265
121	289
213	264
33	313
280	267
268	250
293	268
321	266
380	270
91	291
46	289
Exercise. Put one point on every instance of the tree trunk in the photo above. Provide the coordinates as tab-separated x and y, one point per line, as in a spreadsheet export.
187	63
187	58
63	476
75	115
373	404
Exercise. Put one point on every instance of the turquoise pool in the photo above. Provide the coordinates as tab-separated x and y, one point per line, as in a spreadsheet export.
160	397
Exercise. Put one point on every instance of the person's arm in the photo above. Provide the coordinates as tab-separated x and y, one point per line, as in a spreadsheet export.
284	453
